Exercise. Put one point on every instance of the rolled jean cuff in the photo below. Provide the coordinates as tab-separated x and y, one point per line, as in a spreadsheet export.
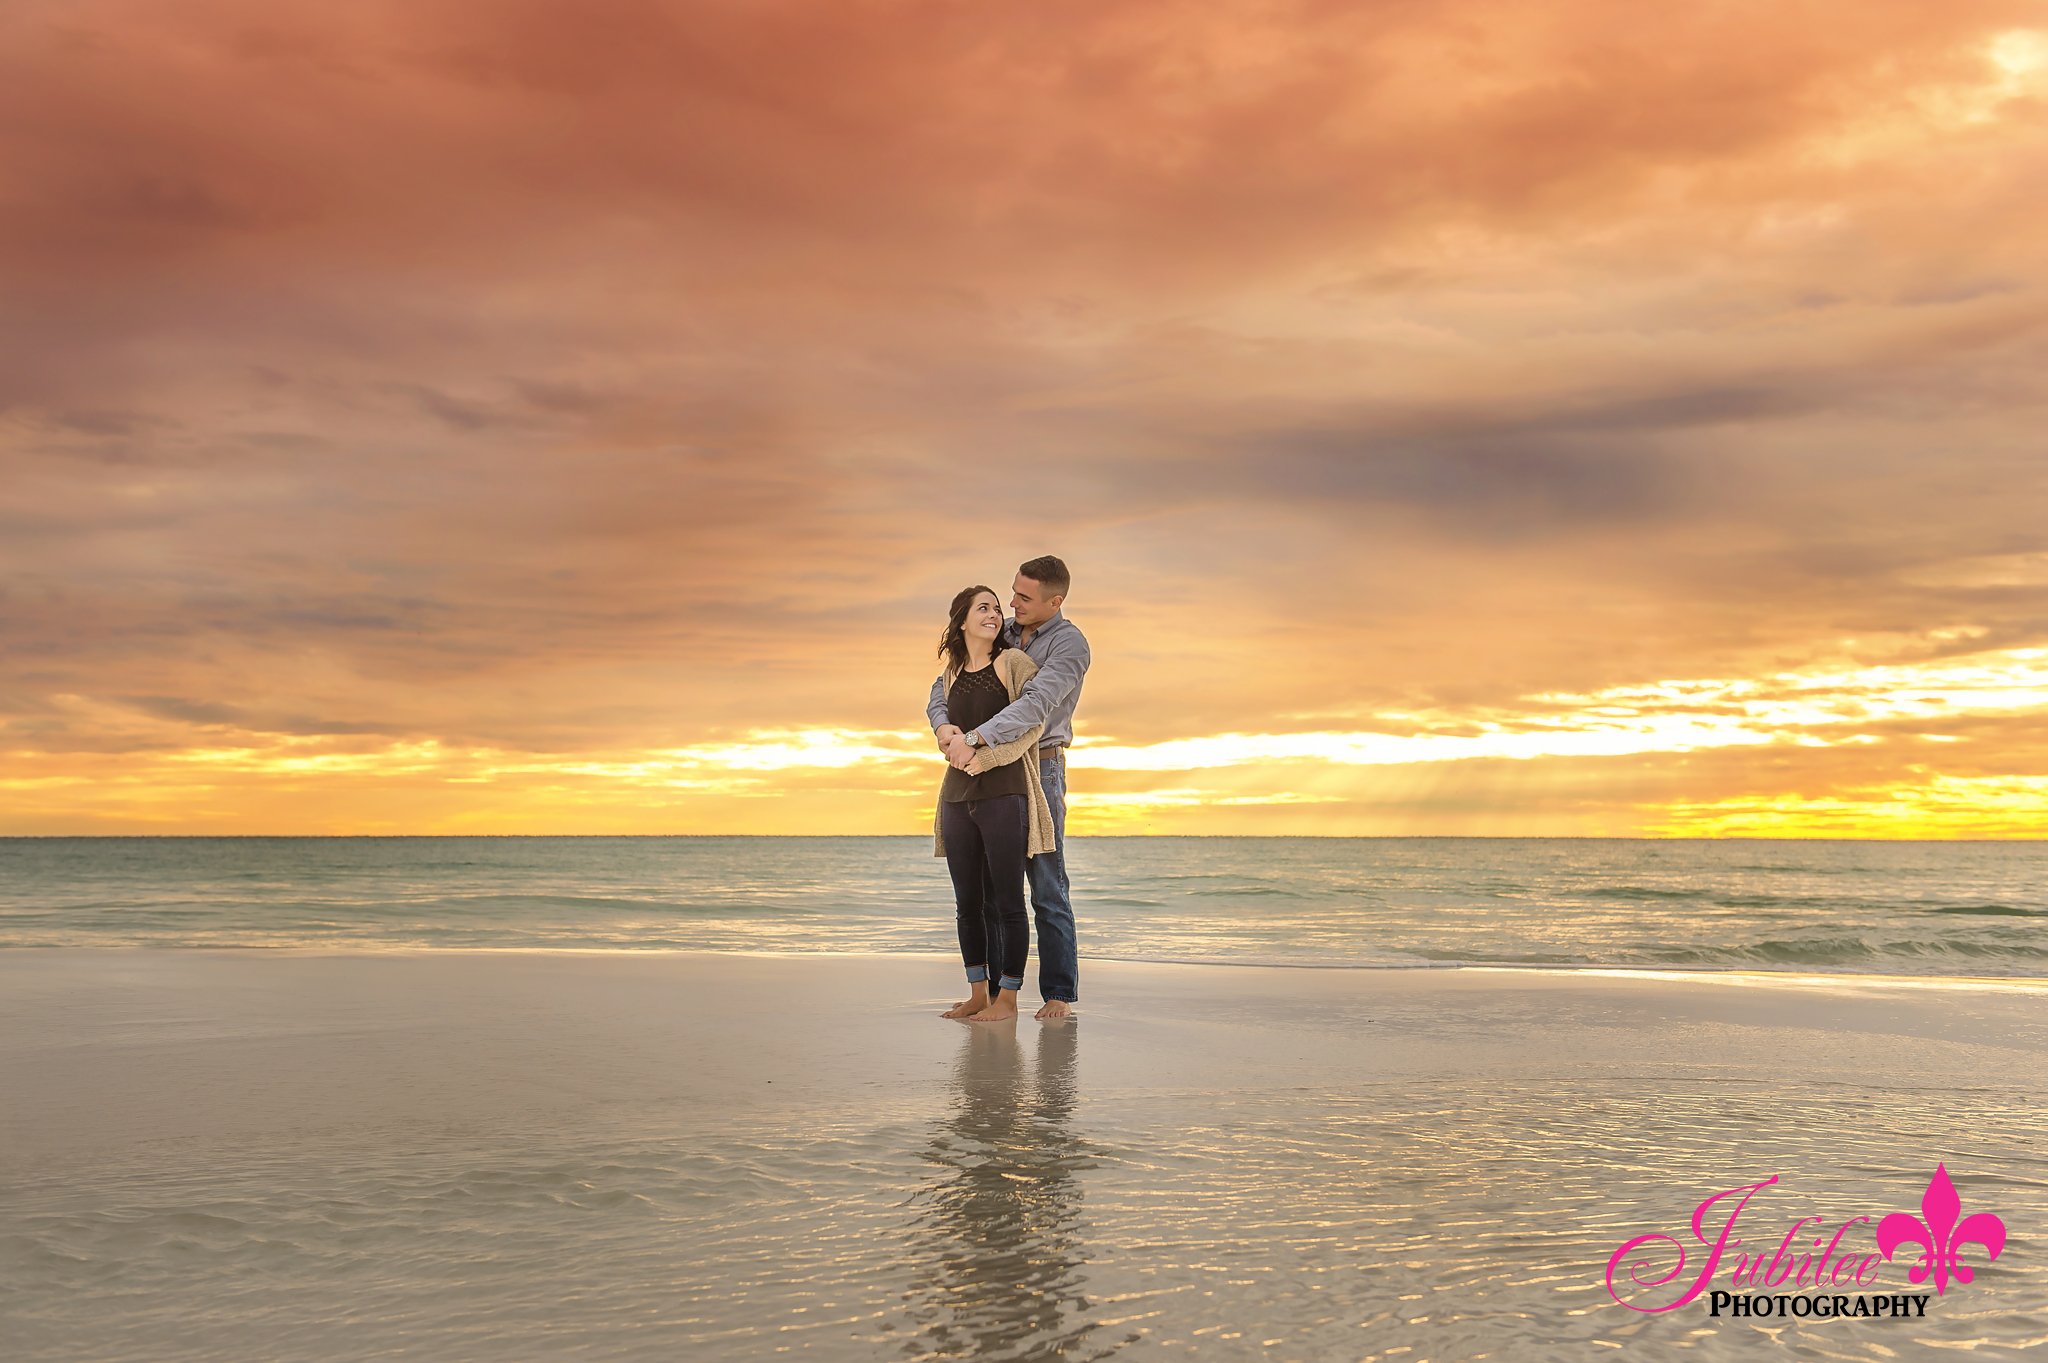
1013	983
976	974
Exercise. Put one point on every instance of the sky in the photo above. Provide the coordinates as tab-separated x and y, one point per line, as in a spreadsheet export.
1559	417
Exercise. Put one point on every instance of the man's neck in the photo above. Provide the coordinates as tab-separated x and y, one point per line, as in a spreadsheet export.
1027	631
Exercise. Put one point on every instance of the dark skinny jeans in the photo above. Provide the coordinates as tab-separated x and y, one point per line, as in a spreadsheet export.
985	842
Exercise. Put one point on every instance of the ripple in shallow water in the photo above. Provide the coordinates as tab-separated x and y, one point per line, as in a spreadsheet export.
1022	1220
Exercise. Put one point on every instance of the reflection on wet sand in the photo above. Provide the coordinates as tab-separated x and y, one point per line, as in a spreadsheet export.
996	1256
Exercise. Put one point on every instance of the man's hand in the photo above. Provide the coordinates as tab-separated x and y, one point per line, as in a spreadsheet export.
946	733
959	751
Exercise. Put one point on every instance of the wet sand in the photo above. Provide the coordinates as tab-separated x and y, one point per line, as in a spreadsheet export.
103	1050
1191	1114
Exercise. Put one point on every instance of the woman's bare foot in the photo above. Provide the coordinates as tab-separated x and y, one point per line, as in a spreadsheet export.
1054	1010
1001	1008
968	1007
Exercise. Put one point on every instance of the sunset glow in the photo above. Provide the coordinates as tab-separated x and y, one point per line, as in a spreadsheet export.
1574	418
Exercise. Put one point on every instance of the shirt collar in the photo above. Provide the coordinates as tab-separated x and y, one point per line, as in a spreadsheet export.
1014	631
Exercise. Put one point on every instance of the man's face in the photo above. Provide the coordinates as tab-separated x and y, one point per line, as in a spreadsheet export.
1030	604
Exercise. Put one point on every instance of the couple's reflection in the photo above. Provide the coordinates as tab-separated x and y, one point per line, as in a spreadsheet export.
997	1269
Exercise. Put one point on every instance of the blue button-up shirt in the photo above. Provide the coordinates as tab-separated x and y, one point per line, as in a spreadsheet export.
1048	698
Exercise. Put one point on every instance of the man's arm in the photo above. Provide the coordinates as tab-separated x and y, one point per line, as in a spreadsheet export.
1064	667
943	729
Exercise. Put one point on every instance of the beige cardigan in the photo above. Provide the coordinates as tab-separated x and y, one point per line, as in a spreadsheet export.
1015	668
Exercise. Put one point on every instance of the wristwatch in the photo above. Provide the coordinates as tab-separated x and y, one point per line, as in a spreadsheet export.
974	739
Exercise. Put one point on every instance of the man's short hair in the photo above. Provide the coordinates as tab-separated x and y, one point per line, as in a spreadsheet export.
1049	573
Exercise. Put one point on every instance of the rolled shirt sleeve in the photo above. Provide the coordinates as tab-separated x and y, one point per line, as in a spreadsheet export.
935	711
1059	675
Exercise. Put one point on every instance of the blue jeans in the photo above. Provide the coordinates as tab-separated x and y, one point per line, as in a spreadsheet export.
1059	972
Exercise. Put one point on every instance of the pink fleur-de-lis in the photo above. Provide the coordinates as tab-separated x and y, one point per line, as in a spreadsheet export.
1939	1234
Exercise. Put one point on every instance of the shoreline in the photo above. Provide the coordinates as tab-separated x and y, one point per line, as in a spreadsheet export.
1709	972
119	1049
109	1031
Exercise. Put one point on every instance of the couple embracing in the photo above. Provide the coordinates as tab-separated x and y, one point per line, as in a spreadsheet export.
1003	713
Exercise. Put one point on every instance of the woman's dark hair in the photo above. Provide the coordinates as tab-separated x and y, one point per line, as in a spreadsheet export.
953	643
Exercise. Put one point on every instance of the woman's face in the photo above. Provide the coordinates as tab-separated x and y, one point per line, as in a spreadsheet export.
984	618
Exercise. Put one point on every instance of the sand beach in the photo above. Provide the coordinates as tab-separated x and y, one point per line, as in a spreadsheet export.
713	1155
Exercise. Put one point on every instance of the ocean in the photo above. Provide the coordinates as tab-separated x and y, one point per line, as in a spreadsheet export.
1895	908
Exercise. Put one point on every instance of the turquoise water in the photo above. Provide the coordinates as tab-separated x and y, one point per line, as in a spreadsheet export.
1903	908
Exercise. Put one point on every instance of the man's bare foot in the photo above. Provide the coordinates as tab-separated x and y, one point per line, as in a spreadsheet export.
968	1007
1001	1008
1055	1010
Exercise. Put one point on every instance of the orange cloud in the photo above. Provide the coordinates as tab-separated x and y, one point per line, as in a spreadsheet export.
577	384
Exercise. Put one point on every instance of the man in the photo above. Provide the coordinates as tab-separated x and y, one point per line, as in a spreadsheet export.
1052	641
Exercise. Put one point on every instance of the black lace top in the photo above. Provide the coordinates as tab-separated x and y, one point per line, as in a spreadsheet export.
976	698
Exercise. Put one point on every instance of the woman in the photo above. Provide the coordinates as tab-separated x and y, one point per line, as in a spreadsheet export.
992	815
